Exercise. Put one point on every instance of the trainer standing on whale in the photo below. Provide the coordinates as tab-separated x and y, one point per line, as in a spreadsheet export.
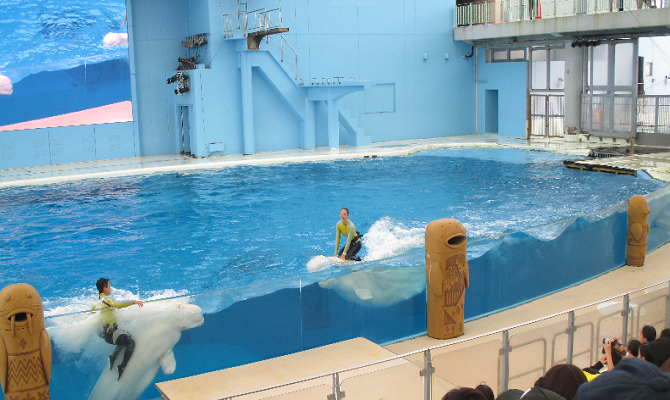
353	244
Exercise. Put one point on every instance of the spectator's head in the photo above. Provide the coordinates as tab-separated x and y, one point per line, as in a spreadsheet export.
562	379
643	352
536	393
648	334
464	393
631	379
665	334
659	352
486	391
633	348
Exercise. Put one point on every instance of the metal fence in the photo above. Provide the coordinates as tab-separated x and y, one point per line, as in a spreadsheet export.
607	114
516	355
653	114
546	114
499	11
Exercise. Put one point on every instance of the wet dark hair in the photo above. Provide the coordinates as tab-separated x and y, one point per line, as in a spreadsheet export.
645	350
464	393
649	333
562	379
634	347
345	208
101	284
665	334
486	391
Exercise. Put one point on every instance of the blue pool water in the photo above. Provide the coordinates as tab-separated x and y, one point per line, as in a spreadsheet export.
54	55
177	233
43	35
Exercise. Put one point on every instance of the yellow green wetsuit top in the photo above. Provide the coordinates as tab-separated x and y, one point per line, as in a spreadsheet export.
106	301
348	230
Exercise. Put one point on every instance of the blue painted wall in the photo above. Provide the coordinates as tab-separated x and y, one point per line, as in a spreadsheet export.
509	79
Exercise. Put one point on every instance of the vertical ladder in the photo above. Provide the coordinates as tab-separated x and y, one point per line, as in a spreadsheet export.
242	8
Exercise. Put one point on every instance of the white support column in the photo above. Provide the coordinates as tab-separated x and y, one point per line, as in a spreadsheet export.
574	74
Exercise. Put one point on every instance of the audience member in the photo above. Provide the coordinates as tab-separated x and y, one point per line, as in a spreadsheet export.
631	379
562	379
633	348
657	352
648	334
536	393
665	334
486	391
464	393
612	354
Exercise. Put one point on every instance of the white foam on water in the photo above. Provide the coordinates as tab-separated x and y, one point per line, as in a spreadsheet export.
388	238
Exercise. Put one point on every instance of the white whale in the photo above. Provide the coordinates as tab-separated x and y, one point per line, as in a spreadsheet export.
379	286
156	328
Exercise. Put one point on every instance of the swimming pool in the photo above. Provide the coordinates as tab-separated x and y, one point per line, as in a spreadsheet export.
237	241
177	233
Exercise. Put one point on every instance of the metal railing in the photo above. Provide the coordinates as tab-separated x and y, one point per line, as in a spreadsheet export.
653	114
546	113
260	19
607	113
500	11
241	24
620	316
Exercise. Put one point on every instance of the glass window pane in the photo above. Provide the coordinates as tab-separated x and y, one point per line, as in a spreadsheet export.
500	55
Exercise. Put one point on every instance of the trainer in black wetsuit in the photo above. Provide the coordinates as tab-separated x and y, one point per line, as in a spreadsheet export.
109	329
353	244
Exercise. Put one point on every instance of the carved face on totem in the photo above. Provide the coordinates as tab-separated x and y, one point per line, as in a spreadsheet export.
21	311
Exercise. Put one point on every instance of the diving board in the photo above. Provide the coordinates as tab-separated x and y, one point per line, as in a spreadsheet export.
289	368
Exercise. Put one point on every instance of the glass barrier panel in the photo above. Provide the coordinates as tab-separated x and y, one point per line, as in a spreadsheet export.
650	309
606	322
382	304
584	337
659	218
401	381
533	351
470	365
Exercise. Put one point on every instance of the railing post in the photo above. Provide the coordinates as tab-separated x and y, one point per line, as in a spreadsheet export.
337	394
571	336
667	309
624	314
656	110
427	373
504	352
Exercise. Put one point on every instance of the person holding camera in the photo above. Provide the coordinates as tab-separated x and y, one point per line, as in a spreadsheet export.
612	354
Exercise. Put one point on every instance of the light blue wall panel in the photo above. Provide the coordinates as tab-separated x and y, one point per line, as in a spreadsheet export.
26	148
159	28
510	81
276	126
385	20
72	144
114	141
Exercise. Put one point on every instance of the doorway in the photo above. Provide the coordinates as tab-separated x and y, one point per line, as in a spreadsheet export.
184	128
491	111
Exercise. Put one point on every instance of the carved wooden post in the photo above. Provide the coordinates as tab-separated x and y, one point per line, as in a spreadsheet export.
638	230
447	277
